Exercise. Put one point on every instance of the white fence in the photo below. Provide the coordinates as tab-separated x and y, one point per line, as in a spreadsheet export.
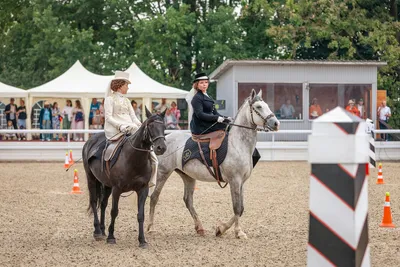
270	150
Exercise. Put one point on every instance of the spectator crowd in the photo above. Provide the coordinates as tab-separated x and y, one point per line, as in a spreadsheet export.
73	117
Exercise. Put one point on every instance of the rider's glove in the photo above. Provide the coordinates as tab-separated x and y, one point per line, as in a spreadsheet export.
220	119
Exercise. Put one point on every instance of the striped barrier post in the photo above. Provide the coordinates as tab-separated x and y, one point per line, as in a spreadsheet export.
338	227
370	130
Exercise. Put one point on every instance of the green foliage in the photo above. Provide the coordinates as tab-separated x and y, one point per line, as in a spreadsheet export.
345	30
171	40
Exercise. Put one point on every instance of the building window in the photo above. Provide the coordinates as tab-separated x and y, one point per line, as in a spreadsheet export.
325	97
284	99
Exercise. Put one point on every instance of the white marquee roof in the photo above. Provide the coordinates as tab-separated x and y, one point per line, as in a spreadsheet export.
144	86
78	81
10	91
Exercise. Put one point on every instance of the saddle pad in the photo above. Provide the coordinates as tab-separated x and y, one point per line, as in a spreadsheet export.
100	149
191	151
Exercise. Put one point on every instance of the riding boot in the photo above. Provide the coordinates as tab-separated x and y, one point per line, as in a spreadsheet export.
154	168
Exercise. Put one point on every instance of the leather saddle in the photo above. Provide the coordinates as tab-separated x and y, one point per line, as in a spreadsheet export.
111	152
215	140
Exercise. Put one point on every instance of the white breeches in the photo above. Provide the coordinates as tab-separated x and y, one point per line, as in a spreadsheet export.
154	168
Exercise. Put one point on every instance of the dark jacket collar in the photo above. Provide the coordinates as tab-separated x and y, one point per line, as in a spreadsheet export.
205	97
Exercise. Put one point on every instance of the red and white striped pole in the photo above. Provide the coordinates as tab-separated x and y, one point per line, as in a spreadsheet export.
338	152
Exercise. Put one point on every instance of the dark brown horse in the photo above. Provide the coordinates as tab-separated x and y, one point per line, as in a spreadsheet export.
131	172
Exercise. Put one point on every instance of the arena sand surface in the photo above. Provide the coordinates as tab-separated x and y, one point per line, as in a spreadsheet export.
43	225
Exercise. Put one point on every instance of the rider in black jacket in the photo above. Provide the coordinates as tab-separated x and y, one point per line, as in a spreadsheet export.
206	118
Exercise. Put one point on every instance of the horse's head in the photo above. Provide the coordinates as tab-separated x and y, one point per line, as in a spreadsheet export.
260	113
154	131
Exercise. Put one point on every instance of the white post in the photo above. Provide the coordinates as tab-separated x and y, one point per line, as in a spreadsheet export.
370	131
338	226
28	108
86	109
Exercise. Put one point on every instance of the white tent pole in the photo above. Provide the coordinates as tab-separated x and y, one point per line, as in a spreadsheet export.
86	109
28	106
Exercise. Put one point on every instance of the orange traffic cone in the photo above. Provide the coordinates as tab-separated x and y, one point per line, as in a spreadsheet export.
66	163
380	176
71	159
76	189
387	213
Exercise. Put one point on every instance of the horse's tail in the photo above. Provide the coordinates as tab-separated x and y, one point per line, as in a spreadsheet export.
98	195
94	185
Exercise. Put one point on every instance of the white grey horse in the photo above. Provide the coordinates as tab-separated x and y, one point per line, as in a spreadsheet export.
235	169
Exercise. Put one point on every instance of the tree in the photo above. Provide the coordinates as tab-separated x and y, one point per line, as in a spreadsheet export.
342	29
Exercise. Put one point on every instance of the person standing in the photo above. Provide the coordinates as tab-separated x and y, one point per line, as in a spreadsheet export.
78	120
45	121
11	113
95	105
21	114
67	117
384	114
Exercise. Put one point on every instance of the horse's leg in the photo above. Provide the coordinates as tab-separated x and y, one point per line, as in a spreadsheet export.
94	187
190	183
116	193
238	207
142	196
104	203
161	180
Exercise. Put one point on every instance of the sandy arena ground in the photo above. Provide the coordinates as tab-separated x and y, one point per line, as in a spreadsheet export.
42	225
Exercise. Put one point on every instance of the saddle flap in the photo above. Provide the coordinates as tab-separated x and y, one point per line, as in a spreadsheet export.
215	138
112	148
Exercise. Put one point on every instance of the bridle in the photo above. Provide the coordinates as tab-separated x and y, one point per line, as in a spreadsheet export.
267	128
265	119
152	140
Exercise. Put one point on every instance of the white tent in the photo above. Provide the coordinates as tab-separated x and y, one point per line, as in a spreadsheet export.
144	86
7	91
78	82
10	91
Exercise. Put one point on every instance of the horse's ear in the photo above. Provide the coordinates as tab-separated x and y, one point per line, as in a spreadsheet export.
163	113
148	113
253	94
260	93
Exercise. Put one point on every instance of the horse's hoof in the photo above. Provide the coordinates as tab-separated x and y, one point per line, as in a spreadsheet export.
143	245
201	232
241	235
99	237
111	241
218	231
150	229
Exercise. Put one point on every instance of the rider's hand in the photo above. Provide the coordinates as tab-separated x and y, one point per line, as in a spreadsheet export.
124	128
220	119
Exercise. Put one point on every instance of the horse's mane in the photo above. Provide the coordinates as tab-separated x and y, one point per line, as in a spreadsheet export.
255	99
241	107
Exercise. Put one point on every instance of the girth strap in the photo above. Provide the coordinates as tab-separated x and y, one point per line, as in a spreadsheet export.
213	155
